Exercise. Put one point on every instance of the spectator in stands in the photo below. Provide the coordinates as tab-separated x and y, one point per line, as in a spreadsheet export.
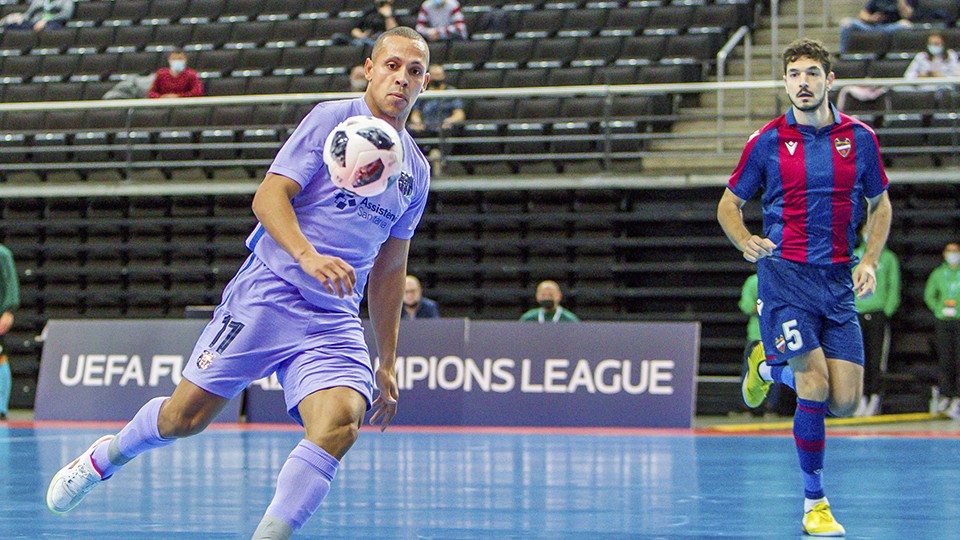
877	16
941	294
177	80
440	20
874	313
936	61
374	21
133	87
441	117
548	296
41	14
9	302
358	79
415	304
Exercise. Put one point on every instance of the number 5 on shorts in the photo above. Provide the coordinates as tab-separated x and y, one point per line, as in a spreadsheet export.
791	335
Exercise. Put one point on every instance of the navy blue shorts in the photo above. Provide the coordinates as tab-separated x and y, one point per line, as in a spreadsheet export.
803	307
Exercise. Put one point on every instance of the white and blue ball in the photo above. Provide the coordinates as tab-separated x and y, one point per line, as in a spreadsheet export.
364	155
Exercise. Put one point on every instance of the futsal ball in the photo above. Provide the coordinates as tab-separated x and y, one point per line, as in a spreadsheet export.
363	155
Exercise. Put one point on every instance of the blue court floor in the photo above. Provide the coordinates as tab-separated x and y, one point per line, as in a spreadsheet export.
463	485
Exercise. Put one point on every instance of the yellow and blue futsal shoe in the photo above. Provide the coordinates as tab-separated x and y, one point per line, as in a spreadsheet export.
754	388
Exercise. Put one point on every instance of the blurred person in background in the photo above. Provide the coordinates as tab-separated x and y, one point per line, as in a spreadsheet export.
9	302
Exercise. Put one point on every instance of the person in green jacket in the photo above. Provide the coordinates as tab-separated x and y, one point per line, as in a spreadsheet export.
9	302
874	313
549	296
941	295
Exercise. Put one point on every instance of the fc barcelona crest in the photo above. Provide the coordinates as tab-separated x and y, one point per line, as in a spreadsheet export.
843	146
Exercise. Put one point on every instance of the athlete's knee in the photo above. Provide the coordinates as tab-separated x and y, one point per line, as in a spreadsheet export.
336	440
844	405
812	385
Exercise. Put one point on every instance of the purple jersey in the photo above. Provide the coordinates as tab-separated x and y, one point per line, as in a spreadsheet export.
338	223
814	182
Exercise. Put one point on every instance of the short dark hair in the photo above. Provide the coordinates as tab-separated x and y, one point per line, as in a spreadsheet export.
807	48
400	31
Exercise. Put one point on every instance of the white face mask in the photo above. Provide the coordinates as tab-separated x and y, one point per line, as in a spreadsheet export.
953	258
935	50
178	66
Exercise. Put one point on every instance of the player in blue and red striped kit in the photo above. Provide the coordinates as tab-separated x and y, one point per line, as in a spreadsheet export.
821	175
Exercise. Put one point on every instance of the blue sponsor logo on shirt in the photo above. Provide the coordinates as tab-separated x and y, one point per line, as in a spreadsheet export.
342	200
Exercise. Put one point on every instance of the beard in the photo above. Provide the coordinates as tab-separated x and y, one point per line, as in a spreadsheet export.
808	108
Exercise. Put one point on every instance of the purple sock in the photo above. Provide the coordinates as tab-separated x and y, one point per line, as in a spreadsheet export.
809	433
783	375
138	436
302	485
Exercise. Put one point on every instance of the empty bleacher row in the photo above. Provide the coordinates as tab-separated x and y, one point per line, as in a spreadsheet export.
618	254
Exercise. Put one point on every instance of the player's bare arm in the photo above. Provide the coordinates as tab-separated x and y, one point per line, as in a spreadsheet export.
385	297
730	217
271	205
879	217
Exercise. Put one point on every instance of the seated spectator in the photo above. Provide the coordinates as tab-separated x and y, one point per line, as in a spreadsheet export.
440	20
936	61
415	305
877	16
436	118
177	80
133	87
358	79
549	296
374	21
41	14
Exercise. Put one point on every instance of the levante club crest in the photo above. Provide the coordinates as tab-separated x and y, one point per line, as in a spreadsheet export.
843	146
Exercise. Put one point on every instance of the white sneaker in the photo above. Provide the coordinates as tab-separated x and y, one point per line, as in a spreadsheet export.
873	406
953	410
72	483
861	407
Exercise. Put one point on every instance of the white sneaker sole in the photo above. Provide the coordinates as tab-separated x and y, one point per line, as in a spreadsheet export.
65	469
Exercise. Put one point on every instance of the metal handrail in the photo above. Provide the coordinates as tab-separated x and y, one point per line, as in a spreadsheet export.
742	33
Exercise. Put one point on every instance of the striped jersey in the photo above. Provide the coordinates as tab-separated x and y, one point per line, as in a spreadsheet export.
815	183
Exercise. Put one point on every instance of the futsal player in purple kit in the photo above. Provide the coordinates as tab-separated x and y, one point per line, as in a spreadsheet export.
293	307
821	175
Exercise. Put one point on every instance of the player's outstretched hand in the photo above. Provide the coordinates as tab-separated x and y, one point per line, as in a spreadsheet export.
385	406
336	276
757	248
864	280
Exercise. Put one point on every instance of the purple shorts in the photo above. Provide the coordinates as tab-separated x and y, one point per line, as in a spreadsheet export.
264	325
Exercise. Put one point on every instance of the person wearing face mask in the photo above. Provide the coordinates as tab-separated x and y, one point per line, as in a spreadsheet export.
177	80
936	61
415	304
440	20
550	311
874	313
941	294
441	117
